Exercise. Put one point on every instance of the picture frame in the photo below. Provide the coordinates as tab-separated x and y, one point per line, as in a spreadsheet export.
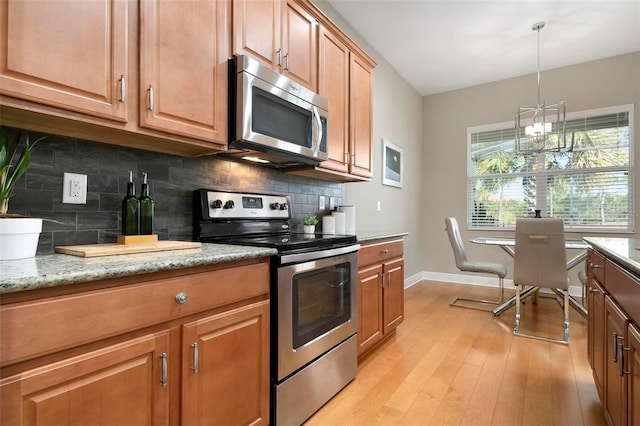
392	164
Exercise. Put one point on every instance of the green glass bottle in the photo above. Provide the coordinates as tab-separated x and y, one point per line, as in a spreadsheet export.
146	209
130	210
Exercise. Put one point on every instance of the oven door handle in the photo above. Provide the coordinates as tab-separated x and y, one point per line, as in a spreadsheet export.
314	255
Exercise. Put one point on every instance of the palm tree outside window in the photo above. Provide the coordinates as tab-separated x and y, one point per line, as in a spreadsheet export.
590	187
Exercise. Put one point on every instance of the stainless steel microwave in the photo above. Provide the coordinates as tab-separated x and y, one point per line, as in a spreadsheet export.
274	120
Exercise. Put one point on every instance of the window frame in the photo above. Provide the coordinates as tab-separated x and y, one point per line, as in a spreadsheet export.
578	115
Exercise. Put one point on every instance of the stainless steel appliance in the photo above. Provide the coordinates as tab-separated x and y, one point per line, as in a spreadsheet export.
274	120
313	297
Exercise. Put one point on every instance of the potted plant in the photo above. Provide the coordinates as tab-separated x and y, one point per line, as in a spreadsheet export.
310	221
18	234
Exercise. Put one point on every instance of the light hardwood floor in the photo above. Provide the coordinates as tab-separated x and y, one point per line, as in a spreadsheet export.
457	366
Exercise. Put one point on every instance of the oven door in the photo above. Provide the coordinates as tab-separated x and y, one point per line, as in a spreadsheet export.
316	307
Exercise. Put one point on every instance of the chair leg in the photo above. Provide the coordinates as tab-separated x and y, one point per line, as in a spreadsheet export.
491	303
516	327
565	324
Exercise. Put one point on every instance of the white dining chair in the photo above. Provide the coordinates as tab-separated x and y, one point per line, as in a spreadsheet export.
463	264
540	262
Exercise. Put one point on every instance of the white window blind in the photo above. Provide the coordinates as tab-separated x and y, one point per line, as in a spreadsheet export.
590	187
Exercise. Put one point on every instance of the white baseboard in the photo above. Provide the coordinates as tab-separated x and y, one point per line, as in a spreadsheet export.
486	281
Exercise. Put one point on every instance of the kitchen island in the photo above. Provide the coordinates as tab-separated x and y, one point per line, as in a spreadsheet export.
613	297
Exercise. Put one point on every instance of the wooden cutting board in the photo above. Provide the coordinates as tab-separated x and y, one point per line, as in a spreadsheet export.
94	250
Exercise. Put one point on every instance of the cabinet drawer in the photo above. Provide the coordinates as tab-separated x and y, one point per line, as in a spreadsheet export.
624	288
379	252
596	263
35	328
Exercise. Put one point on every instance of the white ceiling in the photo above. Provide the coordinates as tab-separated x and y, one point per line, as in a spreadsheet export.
442	45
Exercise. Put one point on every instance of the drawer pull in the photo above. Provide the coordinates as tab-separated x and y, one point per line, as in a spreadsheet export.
615	346
621	370
163	379
195	358
385	251
181	298
150	98
593	265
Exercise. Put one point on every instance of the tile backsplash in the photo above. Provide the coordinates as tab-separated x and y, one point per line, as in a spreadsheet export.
171	179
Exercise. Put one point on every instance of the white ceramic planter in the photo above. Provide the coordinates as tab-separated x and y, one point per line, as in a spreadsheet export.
309	229
19	237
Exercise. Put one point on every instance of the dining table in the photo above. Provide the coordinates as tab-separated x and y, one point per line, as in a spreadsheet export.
508	244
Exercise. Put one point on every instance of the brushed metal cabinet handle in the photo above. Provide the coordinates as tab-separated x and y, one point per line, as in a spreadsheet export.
151	98
286	62
181	298
621	350
195	358
163	379
123	88
279	53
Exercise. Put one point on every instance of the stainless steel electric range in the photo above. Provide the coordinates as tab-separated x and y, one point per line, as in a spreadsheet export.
314	306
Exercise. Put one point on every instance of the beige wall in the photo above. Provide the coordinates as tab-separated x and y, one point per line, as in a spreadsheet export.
446	116
397	116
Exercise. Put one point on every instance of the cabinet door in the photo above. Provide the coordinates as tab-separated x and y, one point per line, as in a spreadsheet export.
256	30
393	294
360	117
184	49
334	85
299	45
225	371
633	366
596	333
616	324
67	54
117	385
369	307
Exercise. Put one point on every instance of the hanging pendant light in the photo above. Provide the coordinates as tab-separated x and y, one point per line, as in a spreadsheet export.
543	127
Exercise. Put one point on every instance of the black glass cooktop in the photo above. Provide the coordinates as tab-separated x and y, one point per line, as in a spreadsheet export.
286	242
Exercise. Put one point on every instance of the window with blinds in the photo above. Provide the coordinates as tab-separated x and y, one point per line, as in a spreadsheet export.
590	187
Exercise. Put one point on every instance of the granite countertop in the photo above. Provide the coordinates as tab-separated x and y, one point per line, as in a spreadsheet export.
626	251
62	269
367	236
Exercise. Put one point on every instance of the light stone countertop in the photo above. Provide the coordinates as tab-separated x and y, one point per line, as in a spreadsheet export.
62	269
626	251
369	236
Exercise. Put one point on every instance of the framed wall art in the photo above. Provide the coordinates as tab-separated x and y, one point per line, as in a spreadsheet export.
391	164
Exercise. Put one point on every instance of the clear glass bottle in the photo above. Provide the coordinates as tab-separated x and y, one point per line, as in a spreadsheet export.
130	210
146	209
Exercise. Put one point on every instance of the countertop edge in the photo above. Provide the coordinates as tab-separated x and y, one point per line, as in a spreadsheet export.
61	269
364	236
622	250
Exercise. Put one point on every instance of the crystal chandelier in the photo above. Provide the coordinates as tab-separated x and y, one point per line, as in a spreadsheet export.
543	127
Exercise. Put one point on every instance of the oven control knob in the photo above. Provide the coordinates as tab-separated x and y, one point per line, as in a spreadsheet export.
283	206
229	204
217	204
275	206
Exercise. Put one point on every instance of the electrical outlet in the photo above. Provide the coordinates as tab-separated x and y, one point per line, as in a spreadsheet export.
332	203
74	188
321	202
378	207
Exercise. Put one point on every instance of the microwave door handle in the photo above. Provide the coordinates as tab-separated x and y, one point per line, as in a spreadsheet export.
317	142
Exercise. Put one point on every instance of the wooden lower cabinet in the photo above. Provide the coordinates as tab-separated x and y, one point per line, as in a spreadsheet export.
616	324
634	375
140	354
381	292
117	385
596	333
225	369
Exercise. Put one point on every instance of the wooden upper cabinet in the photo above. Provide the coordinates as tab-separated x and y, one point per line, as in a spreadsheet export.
67	54
184	49
299	45
334	85
256	30
280	34
361	107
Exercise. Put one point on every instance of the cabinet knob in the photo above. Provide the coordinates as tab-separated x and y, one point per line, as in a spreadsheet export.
181	298
385	251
